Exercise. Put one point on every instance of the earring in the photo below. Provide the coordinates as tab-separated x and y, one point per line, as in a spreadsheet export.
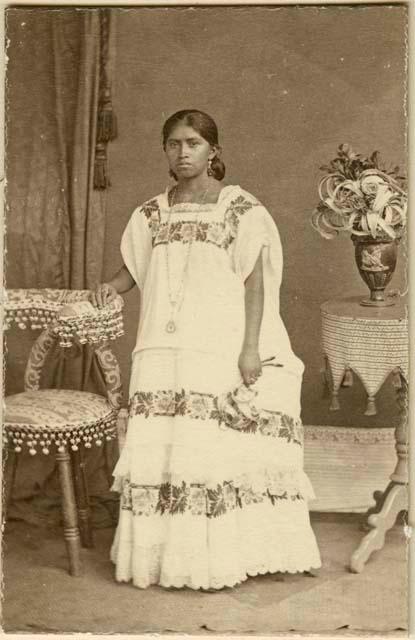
209	169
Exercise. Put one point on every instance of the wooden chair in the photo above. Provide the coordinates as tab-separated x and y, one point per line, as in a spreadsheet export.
62	422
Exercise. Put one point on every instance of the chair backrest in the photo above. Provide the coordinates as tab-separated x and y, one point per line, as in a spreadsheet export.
66	317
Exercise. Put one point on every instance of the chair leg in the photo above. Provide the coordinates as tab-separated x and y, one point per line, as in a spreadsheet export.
10	468
70	517
82	498
108	463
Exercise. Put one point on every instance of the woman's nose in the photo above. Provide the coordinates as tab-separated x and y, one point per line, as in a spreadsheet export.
183	150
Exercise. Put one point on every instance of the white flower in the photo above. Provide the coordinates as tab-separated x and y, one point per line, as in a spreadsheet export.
187	231
198	500
164	402
215	234
244	394
374	185
199	407
380	190
163	233
144	500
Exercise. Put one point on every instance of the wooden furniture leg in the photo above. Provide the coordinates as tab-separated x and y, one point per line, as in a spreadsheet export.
70	517
330	386
347	378
10	468
82	498
108	463
378	497
326	377
395	499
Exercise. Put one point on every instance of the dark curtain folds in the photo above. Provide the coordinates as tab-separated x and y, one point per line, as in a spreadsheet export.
56	219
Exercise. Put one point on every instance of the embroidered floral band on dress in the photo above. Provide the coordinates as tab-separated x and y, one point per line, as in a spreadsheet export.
212	232
69	314
199	500
220	234
229	410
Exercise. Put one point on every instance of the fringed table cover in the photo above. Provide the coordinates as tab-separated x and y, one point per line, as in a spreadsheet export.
372	342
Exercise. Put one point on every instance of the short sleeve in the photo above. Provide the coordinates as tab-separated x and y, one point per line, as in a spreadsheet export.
136	246
257	232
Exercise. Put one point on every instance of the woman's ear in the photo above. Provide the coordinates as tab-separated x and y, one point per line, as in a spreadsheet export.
216	150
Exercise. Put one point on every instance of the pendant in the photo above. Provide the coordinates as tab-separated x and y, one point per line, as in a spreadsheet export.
171	326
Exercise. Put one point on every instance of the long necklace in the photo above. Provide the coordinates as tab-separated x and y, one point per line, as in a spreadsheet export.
177	299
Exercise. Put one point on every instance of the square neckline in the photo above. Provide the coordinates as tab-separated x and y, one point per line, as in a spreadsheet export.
186	206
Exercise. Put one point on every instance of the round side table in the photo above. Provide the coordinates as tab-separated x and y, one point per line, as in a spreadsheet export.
371	343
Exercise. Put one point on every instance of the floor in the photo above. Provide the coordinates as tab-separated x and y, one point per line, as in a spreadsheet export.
40	596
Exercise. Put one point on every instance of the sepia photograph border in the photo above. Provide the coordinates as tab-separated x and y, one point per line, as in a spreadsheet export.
411	271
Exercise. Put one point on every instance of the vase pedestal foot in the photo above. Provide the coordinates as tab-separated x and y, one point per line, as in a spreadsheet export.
368	302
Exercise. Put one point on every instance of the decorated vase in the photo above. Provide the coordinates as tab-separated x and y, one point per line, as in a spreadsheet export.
376	261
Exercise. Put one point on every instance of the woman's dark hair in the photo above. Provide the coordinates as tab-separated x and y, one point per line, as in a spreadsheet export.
205	126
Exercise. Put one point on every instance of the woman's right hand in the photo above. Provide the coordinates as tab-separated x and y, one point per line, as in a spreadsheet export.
250	366
103	294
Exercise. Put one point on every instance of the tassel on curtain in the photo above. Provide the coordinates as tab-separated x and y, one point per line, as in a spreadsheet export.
107	121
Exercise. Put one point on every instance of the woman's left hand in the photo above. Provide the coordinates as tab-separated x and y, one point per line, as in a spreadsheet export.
250	366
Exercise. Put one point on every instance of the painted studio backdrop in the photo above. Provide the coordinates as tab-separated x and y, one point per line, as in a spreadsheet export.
286	87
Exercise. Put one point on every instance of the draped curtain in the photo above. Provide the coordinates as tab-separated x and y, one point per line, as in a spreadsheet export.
55	217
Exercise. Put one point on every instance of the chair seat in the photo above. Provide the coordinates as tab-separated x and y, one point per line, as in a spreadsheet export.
58	417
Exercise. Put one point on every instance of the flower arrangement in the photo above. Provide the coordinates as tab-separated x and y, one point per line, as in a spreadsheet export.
359	196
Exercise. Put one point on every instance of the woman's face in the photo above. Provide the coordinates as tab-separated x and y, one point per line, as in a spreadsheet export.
187	152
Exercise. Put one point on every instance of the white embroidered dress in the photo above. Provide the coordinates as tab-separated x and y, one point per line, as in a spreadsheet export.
212	486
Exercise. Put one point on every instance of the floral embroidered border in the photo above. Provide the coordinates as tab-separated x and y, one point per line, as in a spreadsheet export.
182	231
151	210
221	234
236	209
199	500
205	406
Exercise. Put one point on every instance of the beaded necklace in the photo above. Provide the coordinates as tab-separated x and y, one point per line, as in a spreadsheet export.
177	299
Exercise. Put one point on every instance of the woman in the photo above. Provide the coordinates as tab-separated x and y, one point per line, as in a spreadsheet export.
211	475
